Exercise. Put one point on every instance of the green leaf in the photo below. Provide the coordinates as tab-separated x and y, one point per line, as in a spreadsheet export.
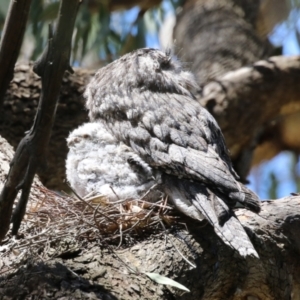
165	280
50	12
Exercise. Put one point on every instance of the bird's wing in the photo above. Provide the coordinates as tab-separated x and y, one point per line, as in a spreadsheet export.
200	203
208	168
175	134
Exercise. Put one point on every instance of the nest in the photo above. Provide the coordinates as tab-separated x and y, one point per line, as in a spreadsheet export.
58	225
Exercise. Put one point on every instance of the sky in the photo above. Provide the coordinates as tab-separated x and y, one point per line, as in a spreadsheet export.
281	167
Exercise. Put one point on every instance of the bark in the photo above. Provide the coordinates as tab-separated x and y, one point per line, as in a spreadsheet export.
95	270
226	28
6	155
266	95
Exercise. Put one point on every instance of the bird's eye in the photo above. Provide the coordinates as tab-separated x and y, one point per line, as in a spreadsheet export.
120	115
165	64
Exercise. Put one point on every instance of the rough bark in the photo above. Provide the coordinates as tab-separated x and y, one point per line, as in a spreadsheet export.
226	28
218	36
95	270
266	95
6	155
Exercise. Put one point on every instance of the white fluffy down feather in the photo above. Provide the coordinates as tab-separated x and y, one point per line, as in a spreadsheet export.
97	163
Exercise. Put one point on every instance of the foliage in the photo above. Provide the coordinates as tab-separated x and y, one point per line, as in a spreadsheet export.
99	35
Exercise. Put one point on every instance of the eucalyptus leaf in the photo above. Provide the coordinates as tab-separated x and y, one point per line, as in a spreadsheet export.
165	280
99	33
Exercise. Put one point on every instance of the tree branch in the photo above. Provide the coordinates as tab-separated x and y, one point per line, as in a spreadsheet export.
247	101
259	94
31	150
11	41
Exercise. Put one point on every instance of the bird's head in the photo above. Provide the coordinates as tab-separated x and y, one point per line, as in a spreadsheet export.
141	71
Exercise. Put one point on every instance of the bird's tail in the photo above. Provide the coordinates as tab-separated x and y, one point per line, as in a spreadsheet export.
230	230
200	203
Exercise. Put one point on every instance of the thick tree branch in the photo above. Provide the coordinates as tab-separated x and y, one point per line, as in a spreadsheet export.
253	97
20	108
31	150
247	101
11	41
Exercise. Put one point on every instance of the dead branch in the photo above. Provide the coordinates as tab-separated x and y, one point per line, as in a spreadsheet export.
11	41
31	150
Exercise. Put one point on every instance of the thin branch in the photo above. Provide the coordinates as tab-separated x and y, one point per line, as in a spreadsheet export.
31	151
11	41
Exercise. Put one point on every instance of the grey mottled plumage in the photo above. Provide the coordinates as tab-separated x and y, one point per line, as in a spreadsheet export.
146	101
